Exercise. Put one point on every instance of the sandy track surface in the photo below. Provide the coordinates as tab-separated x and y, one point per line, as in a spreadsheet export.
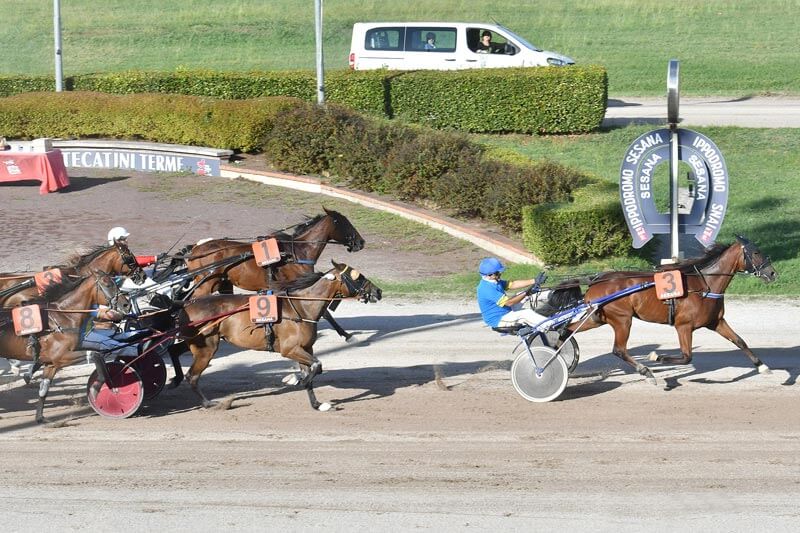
426	431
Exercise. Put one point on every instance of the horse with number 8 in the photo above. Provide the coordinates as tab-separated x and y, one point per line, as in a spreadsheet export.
67	306
701	306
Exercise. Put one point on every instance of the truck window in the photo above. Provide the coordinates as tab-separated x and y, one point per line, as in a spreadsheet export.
418	39
385	39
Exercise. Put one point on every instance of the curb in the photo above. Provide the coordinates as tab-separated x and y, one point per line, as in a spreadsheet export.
496	244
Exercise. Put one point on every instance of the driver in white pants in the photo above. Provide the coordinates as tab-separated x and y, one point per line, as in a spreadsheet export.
497	308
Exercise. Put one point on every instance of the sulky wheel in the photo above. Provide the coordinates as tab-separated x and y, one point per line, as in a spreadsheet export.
120	398
151	369
571	353
545	385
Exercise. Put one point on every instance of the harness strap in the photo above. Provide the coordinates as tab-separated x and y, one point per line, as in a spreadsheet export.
713	295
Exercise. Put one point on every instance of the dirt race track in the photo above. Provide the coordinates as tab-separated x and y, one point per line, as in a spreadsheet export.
427	431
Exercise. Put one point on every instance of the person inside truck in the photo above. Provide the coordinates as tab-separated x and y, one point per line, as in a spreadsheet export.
485	44
430	41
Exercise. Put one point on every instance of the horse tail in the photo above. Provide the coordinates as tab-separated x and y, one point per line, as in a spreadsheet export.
566	294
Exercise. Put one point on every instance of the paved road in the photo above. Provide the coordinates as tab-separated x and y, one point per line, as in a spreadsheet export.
751	112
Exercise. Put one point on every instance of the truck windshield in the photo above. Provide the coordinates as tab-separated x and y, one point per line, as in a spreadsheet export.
520	40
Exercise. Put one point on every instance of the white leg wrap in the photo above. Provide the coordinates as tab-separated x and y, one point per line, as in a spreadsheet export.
44	387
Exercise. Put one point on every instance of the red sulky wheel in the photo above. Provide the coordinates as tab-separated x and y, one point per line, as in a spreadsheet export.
152	370
119	399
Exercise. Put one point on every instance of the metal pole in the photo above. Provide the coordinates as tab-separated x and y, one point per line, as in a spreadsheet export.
320	68
673	97
57	33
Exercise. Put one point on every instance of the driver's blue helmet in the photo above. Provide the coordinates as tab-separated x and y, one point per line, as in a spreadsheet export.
490	265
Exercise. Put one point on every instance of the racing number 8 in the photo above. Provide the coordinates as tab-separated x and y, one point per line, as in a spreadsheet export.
27	319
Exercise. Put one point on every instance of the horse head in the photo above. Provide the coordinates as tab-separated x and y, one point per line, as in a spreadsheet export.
354	283
343	232
115	299
135	272
755	262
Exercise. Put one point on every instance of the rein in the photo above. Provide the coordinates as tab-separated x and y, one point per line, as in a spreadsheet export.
17	276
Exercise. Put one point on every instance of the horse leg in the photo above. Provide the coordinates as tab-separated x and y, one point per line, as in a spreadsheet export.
28	375
202	356
175	351
622	331
724	329
685	341
342	333
310	367
44	387
308	383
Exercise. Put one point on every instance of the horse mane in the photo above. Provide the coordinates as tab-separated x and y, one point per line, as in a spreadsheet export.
699	263
56	291
81	260
303	282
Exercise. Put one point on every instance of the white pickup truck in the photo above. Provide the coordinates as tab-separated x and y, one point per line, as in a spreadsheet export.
443	46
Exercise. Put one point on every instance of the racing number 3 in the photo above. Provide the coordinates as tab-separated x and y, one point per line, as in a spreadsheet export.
47	278
669	284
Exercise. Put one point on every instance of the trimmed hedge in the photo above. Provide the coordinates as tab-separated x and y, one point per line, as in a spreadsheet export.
523	100
233	124
592	226
520	100
440	169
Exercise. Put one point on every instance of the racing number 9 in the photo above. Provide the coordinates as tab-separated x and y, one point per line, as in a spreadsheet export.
263	308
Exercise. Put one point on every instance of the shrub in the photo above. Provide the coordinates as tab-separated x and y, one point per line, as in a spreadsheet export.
237	125
592	226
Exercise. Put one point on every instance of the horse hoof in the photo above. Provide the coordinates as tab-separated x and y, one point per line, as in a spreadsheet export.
764	369
324	406
291	380
652	356
351	339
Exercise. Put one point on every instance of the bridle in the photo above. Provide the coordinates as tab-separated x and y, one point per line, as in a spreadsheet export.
137	274
748	251
114	296
356	287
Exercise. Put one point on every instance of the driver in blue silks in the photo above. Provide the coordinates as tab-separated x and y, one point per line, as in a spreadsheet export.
497	308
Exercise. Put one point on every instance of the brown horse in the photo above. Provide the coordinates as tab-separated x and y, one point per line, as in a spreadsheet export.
703	306
203	322
301	251
116	259
57	346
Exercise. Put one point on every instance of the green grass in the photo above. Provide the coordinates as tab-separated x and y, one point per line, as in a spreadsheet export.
725	47
764	197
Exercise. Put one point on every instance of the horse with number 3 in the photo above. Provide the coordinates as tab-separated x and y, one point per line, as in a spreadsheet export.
701	305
